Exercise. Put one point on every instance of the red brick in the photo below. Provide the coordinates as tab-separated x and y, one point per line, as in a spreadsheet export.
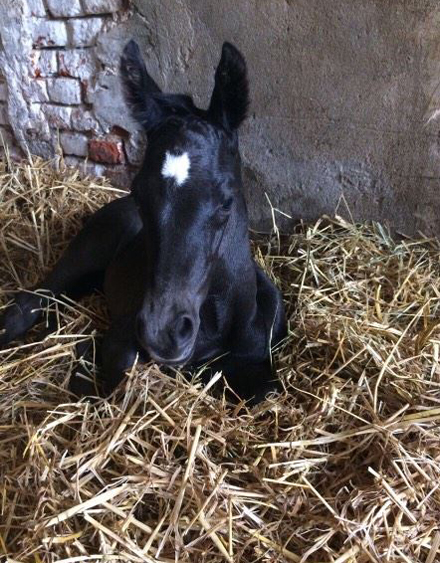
107	151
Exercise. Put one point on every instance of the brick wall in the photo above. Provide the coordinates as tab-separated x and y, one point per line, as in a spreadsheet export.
345	96
52	79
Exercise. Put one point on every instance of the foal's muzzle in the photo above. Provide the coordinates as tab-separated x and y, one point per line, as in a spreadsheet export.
168	334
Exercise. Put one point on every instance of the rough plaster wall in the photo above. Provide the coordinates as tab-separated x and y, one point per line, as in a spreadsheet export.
345	97
340	95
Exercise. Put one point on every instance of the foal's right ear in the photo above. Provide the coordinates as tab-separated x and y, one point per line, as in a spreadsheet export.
230	98
139	88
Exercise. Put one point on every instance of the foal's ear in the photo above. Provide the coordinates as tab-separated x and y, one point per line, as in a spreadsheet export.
230	98
139	88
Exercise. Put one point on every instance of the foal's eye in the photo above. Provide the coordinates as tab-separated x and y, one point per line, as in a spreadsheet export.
227	204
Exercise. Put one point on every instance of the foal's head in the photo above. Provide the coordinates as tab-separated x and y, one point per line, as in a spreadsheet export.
188	194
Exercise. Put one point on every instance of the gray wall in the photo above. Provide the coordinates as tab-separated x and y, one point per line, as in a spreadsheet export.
345	94
344	98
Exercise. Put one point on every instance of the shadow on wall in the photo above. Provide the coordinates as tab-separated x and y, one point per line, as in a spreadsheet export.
345	97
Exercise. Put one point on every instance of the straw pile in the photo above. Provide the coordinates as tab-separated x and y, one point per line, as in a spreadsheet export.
343	467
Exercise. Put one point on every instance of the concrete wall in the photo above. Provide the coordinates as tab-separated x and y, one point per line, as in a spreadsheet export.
345	94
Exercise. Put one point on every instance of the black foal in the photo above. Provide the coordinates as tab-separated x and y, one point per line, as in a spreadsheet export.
179	279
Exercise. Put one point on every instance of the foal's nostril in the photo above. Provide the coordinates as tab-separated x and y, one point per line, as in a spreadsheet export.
184	328
167	338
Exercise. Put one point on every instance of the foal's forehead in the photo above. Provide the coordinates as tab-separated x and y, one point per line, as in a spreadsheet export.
176	166
191	148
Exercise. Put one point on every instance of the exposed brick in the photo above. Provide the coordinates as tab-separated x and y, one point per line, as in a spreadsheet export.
36	90
3	92
73	161
79	63
86	168
36	129
64	90
49	33
83	120
43	63
83	32
4	118
107	151
36	8
101	6
74	143
92	169
58	116
64	8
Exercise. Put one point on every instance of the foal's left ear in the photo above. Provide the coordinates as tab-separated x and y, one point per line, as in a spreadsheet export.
230	98
139	88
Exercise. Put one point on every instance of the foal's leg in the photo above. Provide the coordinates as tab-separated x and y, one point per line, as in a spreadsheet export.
248	367
88	254
118	354
248	378
82	382
115	353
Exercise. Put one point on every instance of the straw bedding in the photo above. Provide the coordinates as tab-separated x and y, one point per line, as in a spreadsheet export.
342	467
